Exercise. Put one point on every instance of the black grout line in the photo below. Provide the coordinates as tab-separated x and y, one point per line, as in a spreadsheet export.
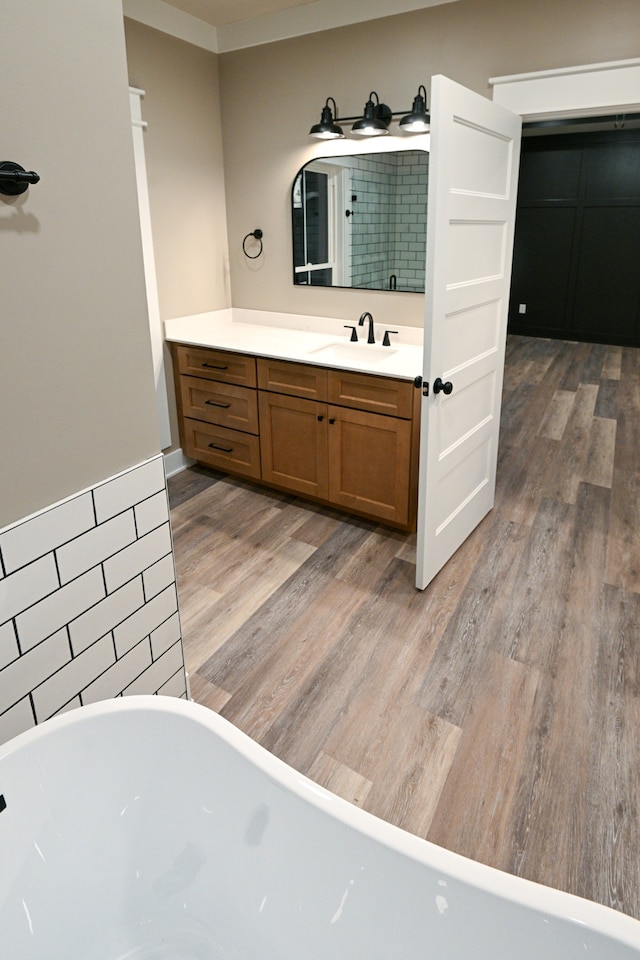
84	573
17	639
57	566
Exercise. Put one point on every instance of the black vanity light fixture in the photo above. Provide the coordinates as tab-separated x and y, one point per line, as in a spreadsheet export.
375	120
327	129
418	120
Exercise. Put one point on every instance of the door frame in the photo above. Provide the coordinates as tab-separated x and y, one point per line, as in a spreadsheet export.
596	89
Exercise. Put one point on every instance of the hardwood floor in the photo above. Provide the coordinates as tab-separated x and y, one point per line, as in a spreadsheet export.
497	713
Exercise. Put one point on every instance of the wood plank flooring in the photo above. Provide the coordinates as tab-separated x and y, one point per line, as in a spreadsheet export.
497	713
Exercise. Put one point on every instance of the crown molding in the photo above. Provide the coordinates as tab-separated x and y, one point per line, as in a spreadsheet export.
311	17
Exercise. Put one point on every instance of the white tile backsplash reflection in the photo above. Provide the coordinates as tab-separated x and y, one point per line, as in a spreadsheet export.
88	602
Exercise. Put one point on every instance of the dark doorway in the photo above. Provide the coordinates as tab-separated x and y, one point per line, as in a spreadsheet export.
576	260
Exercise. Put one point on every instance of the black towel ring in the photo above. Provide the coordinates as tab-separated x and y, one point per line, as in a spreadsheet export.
257	235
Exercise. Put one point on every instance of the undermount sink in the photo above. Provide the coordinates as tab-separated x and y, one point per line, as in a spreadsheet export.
342	352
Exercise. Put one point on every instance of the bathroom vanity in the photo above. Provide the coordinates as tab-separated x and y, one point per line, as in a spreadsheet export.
303	411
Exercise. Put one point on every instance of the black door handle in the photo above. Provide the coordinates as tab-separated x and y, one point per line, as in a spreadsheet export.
446	387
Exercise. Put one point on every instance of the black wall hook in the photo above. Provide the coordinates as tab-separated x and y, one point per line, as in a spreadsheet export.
257	235
14	179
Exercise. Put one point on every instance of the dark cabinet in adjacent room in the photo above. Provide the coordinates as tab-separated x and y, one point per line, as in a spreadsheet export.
576	260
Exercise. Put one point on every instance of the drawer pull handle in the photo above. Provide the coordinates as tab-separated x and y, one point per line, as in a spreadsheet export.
215	366
215	403
214	446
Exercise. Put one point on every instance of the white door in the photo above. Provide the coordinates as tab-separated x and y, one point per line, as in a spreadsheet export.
473	175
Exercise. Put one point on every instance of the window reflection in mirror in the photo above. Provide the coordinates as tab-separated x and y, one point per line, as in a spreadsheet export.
361	221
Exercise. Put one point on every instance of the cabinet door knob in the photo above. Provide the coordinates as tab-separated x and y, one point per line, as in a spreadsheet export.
332	419
320	418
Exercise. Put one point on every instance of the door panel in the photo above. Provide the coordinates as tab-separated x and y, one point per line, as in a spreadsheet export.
542	256
608	280
475	147
471	330
475	250
577	240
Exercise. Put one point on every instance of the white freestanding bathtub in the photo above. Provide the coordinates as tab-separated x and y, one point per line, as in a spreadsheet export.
149	827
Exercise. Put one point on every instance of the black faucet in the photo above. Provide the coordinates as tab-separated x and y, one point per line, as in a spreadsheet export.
367	316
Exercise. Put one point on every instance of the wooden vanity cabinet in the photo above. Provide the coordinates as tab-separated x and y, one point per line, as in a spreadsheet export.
346	439
218	408
355	446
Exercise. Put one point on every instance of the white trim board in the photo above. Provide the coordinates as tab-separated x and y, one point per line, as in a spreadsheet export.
591	90
155	325
175	462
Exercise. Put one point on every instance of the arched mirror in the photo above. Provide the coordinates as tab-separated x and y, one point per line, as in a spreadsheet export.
361	221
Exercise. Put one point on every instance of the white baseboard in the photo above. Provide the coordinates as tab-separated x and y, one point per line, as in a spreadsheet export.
175	462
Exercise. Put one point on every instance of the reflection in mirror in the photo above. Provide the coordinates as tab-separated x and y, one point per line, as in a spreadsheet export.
361	221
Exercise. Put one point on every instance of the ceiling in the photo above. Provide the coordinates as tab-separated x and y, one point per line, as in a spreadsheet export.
224	25
218	13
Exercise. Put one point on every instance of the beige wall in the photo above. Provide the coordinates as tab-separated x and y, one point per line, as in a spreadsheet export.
183	152
183	156
75	365
285	85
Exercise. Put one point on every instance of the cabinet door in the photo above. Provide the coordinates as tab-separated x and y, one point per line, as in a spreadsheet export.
370	458
293	442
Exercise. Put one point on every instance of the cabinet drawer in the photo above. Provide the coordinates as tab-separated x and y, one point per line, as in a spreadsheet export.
222	448
221	403
216	365
294	379
365	391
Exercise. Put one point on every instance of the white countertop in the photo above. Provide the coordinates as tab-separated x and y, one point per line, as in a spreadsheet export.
317	340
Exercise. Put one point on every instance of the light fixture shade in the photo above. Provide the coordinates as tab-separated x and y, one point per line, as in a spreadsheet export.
327	129
375	121
418	121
